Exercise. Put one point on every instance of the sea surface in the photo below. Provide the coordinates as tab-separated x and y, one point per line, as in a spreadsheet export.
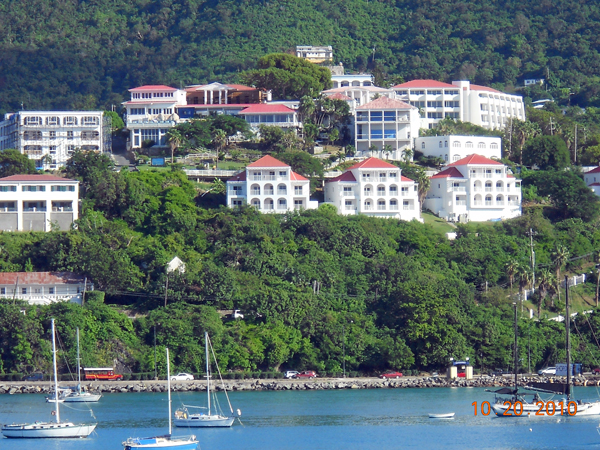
375	419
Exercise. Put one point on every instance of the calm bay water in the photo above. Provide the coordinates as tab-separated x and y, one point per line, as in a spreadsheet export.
374	419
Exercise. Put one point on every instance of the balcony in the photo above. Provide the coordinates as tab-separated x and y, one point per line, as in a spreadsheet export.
269	177
514	203
350	208
488	203
499	189
34	209
460	203
380	207
348	194
235	192
380	193
281	192
477	203
394	207
477	189
256	178
268	207
408	208
459	189
489	189
269	191
367	208
404	193
255	192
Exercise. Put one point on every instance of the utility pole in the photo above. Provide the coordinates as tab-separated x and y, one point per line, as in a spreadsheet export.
575	151
531	234
551	127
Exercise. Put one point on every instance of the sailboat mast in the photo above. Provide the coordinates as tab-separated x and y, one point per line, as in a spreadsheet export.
568	335
516	364
169	389
57	411
207	370
78	365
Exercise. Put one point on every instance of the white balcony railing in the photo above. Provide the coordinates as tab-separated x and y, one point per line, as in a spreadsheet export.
461	203
499	189
459	188
255	192
380	207
477	189
513	203
350	208
488	203
394	207
477	203
368	208
380	193
408	207
269	191
348	194
488	189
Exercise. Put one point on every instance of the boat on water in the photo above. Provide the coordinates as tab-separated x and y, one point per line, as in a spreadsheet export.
441	416
57	429
78	395
211	415
165	442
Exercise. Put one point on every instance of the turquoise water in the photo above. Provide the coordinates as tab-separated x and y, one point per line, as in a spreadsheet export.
374	419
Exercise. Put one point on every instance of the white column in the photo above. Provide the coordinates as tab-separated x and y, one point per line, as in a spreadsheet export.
220	93
205	97
19	204
47	215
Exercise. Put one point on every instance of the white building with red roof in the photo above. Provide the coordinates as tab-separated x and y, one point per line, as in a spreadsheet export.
360	94
43	288
270	186
38	203
474	189
375	188
270	114
451	148
386	128
461	100
592	179
151	112
50	137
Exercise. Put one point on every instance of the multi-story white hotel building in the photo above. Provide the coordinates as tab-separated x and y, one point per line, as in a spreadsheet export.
38	203
151	112
51	137
270	186
387	124
375	188
461	100
475	189
452	148
351	80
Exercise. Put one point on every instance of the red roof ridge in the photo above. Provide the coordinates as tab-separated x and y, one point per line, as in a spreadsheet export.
424	84
268	161
474	159
450	172
386	103
373	163
34	177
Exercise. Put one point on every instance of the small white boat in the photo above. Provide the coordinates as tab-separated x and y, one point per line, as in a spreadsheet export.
77	395
441	416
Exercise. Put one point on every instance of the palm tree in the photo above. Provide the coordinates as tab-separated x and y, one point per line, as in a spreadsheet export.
175	138
424	183
407	154
524	276
220	140
387	148
373	148
546	283
511	267
560	256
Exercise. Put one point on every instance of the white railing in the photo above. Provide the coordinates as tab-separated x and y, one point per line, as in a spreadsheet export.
404	193
211	173
350	208
394	207
254	192
348	194
489	189
281	192
477	189
408	207
368	208
380	207
461	202
513	203
380	194
459	189
269	177
499	189
488	203
477	203
268	208
269	191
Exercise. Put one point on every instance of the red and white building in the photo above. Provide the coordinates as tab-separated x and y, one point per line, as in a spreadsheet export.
474	189
274	115
479	105
592	179
43	288
375	188
270	186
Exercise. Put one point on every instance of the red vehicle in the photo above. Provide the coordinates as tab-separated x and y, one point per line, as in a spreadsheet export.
391	374
306	374
596	371
101	373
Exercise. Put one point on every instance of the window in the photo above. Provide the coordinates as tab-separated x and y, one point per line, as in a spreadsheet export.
70	120
499	171
469	145
137	111
90	135
452	115
282	203
69	135
34	189
3	291
366	176
62	189
481	145
282	173
54	120
51	290
418	104
423	145
450	92
298	190
435	115
32	135
493	146
389	116
380	191
376	116
52	134
434	104
451	104
456	144
362	116
237	203
393	190
402	92
8	189
33	120
23	290
416	92
90	120
434	92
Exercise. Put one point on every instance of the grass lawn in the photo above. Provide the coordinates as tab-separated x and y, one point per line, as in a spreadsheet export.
439	225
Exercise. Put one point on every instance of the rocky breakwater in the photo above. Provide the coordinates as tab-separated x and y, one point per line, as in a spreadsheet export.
293	385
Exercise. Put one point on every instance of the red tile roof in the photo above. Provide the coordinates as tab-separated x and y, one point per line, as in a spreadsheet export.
239	177
475	159
346	176
424	84
29	278
450	172
151	87
297	177
476	87
268	161
339	96
34	178
260	108
373	163
594	184
403	178
239	106
385	103
241	87
596	170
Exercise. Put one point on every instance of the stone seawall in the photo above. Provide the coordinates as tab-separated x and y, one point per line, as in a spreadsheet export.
46	387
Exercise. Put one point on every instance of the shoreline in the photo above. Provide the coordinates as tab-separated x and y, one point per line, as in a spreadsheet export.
46	387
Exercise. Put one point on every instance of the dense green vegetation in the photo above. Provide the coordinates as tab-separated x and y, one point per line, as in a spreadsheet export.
400	294
73	55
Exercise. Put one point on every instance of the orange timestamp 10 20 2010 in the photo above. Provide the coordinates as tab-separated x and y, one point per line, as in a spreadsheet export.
516	408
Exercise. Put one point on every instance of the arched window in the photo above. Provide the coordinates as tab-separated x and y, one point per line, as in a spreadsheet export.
256	203
422	145
469	145
456	144
488	186
255	189
282	189
440	144
380	191
455	158
381	205
269	189
488	200
268	204
367	190
481	145
499	199
368	205
282	204
494	146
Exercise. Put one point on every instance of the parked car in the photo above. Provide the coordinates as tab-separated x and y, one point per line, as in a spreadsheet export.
37	376
306	374
547	371
290	373
497	373
182	377
391	374
596	371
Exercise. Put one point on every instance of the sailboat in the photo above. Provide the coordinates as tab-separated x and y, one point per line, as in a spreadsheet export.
56	429
213	416
78	395
525	408
166	442
584	407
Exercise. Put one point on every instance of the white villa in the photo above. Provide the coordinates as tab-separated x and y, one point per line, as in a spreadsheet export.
474	189
592	179
315	54
275	115
346	80
461	100
51	137
270	186
37	202
360	94
151	112
386	124
43	288
452	148
375	188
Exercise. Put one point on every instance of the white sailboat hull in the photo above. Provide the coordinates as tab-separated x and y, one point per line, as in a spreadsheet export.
204	420
586	408
162	443
41	430
529	409
82	397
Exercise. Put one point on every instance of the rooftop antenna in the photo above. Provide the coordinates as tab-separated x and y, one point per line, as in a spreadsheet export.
21	106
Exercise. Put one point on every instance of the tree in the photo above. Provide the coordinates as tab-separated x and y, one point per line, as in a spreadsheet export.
546	282
270	135
231	125
88	167
546	152
174	137
12	162
512	268
333	136
560	256
116	123
417	174
288	76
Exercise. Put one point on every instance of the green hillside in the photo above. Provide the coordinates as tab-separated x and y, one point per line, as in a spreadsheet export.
86	54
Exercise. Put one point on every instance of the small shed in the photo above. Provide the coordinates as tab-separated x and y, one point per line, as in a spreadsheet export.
460	369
